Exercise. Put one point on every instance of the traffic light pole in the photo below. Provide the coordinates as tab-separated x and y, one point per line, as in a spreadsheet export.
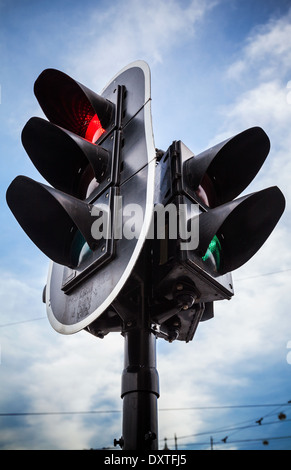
140	389
140	380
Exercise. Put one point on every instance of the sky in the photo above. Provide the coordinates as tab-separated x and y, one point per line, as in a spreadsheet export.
218	67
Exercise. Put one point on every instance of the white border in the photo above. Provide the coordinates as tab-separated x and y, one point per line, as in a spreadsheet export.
70	329
147	74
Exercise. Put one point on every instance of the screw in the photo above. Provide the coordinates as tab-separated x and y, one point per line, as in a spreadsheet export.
150	436
119	442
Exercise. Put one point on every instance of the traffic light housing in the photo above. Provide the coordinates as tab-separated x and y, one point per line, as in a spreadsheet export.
98	156
222	234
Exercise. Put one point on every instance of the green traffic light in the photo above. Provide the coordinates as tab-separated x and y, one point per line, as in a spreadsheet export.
80	250
213	252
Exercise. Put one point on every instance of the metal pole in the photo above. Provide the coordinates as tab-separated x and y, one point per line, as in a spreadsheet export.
140	388
140	380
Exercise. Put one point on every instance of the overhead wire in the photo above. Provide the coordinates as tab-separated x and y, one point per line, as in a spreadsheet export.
263	274
22	321
218	407
217	431
257	422
226	441
237	280
240	441
254	423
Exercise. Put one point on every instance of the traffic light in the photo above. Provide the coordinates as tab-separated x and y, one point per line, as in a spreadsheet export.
190	230
98	156
222	233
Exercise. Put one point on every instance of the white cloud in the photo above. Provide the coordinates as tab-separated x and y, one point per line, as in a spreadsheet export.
78	373
265	103
142	30
266	106
267	51
262	99
47	372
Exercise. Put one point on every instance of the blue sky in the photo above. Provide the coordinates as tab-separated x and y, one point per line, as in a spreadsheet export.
218	67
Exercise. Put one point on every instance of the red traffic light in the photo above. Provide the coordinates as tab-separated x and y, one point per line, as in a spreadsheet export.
75	107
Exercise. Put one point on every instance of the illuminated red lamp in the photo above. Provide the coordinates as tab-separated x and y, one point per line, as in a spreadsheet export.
72	106
94	129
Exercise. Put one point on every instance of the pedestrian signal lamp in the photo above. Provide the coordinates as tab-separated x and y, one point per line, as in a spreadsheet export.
96	152
225	231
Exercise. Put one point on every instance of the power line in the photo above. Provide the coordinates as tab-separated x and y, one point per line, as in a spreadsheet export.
263	274
237	280
260	421
226	407
239	441
235	429
222	442
255	440
48	413
238	428
55	413
22	321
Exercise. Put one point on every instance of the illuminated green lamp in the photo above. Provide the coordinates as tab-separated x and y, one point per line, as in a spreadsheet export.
214	252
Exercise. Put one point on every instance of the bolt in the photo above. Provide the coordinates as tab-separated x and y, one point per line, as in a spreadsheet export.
186	299
119	442
150	436
179	287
